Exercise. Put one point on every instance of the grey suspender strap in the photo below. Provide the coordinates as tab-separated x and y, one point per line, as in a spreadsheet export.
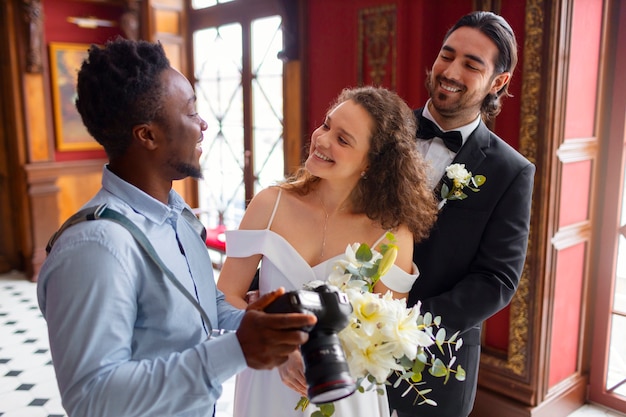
102	212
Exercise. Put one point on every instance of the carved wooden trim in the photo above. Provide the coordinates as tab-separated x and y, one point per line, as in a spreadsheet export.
517	360
42	170
33	16
488	5
377	49
44	210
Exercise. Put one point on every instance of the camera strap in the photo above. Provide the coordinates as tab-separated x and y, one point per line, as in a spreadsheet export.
103	212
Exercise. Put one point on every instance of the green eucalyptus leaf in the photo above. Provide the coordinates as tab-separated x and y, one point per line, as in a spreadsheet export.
405	362
369	272
441	336
418	365
460	373
438	369
445	190
353	270
364	253
328	409
479	180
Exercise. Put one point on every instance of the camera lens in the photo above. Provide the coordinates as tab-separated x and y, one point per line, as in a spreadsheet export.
326	370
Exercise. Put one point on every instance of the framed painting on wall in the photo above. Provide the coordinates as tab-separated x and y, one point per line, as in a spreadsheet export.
70	133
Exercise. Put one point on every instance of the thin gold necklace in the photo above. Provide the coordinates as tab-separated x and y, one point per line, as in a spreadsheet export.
325	224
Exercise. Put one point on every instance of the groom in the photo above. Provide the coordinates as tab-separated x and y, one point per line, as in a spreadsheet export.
472	262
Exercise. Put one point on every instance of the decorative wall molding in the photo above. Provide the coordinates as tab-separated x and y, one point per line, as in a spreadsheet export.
377	46
517	361
572	235
33	16
489	5
577	150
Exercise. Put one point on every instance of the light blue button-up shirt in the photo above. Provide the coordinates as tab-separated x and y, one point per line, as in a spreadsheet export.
124	341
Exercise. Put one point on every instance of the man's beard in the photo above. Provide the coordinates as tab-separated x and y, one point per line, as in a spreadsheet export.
188	170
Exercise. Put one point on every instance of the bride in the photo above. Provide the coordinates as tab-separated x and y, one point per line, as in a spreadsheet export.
363	177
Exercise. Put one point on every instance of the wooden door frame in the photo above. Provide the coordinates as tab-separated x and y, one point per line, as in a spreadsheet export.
612	126
292	13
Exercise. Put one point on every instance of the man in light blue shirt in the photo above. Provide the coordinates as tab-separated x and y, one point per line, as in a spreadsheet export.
124	340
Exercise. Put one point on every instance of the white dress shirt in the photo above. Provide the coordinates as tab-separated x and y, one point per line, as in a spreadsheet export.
435	152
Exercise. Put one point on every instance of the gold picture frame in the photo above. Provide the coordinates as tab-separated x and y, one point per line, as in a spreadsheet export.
70	133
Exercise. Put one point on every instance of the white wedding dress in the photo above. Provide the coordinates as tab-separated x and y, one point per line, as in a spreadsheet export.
262	393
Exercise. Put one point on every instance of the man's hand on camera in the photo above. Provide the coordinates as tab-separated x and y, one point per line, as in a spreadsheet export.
292	373
267	339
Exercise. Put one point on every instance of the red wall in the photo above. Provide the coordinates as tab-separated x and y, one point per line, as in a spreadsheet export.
576	180
331	57
58	29
331	54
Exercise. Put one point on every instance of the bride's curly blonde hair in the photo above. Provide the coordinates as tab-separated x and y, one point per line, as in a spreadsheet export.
394	190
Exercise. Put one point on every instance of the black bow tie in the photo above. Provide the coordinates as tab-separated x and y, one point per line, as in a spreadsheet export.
426	129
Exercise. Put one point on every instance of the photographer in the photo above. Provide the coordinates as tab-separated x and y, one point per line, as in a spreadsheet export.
124	340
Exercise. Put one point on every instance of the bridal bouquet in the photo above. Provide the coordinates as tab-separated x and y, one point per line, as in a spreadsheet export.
385	337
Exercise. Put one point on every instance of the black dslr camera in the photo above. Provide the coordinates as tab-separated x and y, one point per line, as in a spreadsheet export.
325	367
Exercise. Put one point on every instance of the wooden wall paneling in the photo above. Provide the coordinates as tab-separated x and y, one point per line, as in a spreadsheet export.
511	380
52	204
518	385
7	229
17	206
9	258
293	137
610	188
294	105
42	192
77	185
34	85
577	155
166	22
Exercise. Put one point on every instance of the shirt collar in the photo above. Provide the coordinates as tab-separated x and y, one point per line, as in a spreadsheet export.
465	131
140	201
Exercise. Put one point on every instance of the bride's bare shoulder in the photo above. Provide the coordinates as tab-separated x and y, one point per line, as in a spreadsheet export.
259	210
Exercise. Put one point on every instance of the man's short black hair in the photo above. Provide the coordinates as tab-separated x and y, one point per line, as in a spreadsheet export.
119	86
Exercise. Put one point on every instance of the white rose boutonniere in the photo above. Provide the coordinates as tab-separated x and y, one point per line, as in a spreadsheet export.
461	179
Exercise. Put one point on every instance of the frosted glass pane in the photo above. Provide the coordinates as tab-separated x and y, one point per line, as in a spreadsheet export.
616	375
218	58
201	4
267	96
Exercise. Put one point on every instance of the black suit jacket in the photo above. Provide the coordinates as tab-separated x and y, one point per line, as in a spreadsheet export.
471	263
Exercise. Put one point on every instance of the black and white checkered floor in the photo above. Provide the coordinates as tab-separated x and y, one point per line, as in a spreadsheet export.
27	382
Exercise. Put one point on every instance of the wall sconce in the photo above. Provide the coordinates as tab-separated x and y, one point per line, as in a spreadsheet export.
90	22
